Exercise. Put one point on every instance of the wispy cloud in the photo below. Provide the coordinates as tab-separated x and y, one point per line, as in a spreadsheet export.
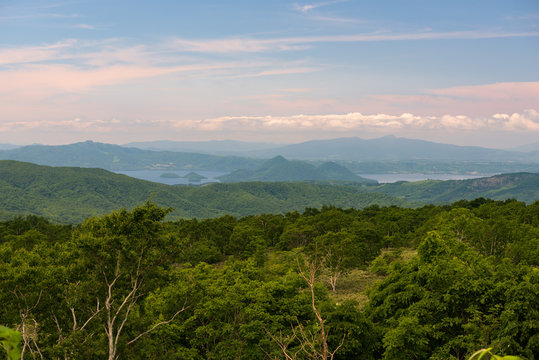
85	26
33	54
472	99
335	19
38	10
232	45
308	7
37	16
28	73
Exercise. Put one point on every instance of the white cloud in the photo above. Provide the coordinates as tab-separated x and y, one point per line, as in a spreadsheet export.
526	121
281	128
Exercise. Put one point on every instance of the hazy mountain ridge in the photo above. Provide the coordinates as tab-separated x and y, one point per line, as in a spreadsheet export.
390	148
366	157
9	146
281	169
114	157
214	147
533	147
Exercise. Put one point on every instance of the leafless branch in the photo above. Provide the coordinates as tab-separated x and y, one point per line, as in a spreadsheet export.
159	324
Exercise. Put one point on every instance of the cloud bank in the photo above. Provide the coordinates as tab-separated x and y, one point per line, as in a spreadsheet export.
528	120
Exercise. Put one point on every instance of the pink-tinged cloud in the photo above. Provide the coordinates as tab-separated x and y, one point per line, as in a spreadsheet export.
473	100
250	45
36	81
497	91
52	79
33	54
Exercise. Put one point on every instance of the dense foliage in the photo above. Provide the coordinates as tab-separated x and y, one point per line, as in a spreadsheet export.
130	285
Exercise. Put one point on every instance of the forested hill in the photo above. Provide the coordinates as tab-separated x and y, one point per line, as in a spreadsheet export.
281	169
520	186
69	195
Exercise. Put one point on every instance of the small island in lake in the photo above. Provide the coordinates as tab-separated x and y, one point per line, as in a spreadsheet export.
194	177
169	176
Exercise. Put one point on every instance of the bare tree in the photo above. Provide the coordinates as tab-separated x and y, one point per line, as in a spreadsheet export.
29	327
312	344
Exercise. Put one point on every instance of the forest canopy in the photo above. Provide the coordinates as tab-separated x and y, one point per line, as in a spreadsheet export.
435	282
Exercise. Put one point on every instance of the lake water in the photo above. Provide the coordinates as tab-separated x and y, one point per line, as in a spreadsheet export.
155	176
390	178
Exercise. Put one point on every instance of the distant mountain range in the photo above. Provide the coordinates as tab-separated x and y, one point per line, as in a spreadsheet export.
8	146
215	147
387	148
114	157
280	169
383	155
391	148
528	147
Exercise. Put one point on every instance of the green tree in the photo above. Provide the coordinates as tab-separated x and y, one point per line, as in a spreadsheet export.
10	341
123	255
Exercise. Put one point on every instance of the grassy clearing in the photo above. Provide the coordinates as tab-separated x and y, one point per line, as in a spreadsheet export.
355	285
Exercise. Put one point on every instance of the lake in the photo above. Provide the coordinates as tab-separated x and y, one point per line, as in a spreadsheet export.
390	178
155	176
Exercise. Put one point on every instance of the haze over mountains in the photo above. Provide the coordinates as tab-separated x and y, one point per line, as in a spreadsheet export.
386	148
8	146
215	147
321	160
115	157
527	147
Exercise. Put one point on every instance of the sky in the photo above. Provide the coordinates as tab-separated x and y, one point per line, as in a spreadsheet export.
117	71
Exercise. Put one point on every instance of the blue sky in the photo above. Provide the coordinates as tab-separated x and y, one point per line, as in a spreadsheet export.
461	72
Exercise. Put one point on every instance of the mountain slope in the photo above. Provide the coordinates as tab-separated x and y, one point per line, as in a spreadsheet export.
67	194
521	186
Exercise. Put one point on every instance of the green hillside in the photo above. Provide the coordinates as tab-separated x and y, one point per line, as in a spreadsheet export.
67	194
520	186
